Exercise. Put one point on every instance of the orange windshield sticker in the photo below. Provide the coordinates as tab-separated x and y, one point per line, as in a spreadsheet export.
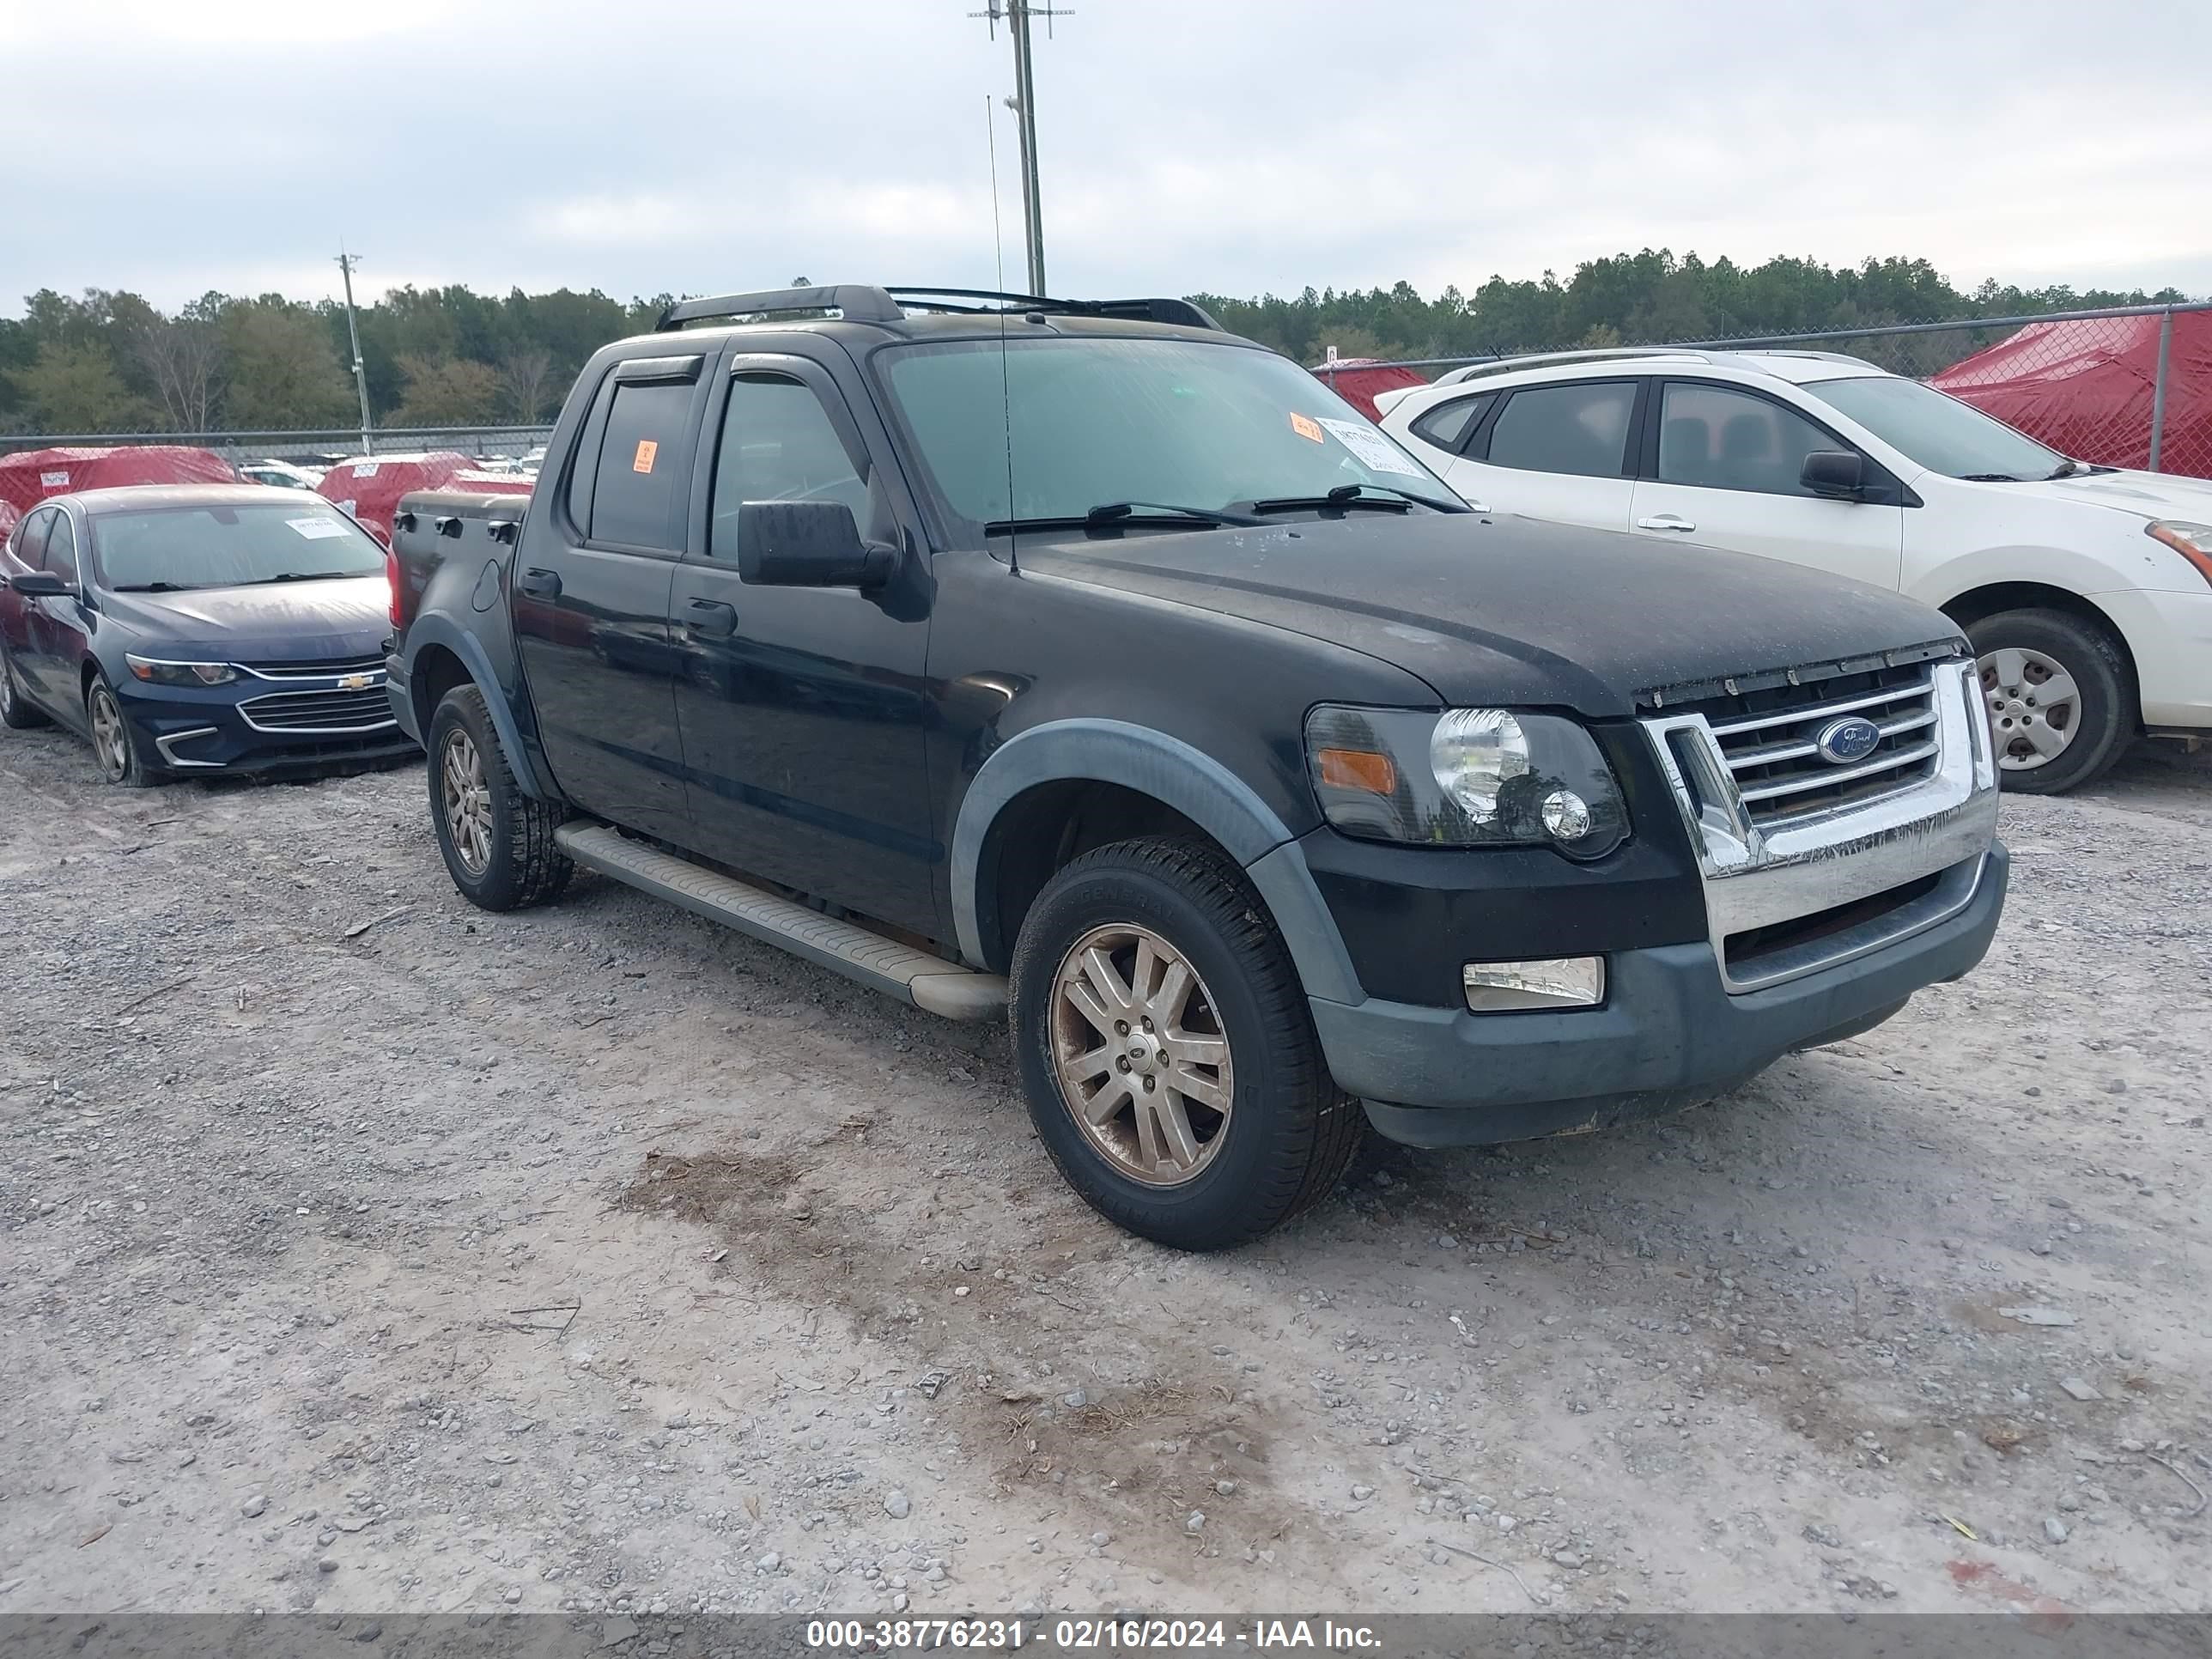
1305	427
647	449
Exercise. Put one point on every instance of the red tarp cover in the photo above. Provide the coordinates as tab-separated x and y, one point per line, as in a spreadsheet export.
2085	388
32	475
369	486
1357	379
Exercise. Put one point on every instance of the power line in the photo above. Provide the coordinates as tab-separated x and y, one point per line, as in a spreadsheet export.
346	262
1016	14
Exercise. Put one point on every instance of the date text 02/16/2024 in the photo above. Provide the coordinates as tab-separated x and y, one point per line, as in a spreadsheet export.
1088	1635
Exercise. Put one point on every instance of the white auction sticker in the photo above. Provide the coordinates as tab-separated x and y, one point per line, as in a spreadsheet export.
1371	448
367	469
54	481
317	530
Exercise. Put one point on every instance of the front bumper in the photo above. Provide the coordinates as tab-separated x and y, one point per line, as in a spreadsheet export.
1669	1034
2169	634
236	730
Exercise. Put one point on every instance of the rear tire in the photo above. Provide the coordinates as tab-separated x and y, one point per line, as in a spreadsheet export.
497	841
15	711
1215	1008
2061	702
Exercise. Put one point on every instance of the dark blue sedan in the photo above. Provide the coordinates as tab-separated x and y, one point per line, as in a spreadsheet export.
198	629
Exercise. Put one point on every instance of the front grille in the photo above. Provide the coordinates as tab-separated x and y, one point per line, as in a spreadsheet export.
1768	740
318	711
314	669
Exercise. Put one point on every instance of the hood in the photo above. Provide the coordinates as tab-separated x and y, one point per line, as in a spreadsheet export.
1495	609
274	622
2147	494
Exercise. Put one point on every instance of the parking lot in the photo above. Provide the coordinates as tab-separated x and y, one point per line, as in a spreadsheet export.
366	1252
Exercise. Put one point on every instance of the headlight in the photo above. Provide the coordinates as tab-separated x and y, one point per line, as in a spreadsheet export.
1467	777
156	673
2191	540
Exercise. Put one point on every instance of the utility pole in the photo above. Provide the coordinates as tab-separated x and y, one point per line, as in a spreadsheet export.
1018	14
346	262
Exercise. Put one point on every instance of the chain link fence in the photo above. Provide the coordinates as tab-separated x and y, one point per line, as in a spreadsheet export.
322	447
2129	386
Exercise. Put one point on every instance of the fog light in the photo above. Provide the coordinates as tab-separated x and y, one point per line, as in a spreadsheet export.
1545	982
1566	816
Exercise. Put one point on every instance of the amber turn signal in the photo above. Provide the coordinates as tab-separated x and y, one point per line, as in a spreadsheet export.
1358	768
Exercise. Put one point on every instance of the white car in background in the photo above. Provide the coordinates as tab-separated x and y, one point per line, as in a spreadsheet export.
280	475
2087	591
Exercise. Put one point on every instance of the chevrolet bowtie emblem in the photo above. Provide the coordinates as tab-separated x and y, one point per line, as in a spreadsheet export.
355	683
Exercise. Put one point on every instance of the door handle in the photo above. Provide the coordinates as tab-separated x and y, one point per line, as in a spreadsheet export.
542	584
1666	522
711	619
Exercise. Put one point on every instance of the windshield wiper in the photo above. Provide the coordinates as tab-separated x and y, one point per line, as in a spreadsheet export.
1121	511
1354	495
1114	514
156	587
1989	477
305	576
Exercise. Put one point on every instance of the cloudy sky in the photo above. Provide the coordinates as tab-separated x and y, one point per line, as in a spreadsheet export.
1235	146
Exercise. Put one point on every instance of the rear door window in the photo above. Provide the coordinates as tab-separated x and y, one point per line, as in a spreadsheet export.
1579	428
636	498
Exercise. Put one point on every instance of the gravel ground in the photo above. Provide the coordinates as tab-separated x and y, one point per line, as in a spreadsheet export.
362	1252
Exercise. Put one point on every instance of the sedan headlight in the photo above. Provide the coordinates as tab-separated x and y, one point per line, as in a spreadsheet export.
1467	777
155	671
2191	540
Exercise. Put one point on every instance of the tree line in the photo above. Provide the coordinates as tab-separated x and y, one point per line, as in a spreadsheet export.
110	361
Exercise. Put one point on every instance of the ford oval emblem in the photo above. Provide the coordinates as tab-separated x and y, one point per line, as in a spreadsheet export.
1850	738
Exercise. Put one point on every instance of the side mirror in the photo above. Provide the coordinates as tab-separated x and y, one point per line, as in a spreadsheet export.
42	585
1838	473
808	544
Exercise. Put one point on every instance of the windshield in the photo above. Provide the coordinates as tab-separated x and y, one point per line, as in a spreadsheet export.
1937	430
222	546
1159	421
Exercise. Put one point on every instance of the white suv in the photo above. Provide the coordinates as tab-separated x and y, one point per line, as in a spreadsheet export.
2087	591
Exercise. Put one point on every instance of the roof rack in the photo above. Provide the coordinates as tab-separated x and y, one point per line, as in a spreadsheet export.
1540	359
1153	309
865	303
860	303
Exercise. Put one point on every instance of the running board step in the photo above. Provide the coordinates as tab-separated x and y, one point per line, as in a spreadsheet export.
928	982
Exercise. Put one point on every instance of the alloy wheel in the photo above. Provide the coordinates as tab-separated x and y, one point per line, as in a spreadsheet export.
1142	1058
2035	707
467	801
111	742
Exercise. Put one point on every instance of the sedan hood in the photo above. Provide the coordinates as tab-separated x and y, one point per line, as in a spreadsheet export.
271	623
2151	494
1493	609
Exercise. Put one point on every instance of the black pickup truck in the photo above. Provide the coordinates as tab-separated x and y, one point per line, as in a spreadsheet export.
1081	663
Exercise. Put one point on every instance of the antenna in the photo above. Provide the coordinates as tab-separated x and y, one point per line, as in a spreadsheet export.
1006	385
1018	14
346	262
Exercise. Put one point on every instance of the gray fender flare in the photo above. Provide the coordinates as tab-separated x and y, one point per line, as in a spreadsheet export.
1195	785
440	630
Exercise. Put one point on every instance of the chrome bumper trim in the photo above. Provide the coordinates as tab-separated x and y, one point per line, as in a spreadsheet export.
171	757
1755	878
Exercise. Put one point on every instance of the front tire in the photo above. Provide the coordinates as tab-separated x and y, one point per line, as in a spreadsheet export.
15	711
1167	1051
497	841
115	744
2061	702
